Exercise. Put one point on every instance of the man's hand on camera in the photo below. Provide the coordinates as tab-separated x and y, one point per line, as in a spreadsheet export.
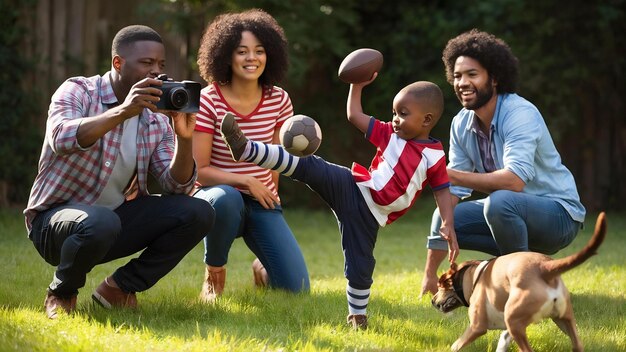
142	95
184	123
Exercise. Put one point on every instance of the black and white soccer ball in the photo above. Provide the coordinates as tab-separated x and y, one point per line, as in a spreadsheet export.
300	135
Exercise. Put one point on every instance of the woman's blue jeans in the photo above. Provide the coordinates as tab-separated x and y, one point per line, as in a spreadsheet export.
265	232
507	222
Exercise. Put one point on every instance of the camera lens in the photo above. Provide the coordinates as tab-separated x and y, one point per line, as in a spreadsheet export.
179	97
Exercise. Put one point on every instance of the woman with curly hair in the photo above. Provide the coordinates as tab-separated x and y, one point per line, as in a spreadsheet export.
500	146
242	56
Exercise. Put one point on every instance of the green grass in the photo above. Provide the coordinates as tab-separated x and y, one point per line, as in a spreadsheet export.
170	318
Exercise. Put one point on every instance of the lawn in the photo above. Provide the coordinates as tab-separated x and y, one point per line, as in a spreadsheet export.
170	317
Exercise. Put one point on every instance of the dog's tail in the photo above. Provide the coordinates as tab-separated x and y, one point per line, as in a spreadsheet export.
556	267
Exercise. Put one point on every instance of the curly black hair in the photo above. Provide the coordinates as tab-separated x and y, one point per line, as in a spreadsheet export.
222	36
492	53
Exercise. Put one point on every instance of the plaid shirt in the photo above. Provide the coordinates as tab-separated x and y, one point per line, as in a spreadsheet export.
71	174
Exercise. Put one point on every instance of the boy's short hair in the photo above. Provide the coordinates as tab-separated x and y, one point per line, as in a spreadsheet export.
428	95
131	34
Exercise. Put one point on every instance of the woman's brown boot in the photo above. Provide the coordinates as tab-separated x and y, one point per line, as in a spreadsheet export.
213	286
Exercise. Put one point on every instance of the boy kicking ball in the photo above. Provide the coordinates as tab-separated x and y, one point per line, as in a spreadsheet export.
363	200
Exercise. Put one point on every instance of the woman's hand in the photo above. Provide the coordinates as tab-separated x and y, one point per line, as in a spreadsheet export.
261	193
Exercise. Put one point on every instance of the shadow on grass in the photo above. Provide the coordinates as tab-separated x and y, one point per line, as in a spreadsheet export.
400	323
264	316
280	318
594	313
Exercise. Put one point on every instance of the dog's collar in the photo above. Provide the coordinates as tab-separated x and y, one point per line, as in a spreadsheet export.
457	280
457	285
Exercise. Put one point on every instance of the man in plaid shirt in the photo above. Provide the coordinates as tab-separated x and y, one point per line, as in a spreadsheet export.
90	204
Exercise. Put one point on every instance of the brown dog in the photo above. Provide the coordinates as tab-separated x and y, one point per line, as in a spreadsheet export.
512	291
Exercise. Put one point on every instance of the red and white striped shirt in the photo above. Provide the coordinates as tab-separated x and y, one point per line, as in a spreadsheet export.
271	113
399	171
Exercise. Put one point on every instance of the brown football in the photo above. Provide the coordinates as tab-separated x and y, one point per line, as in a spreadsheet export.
360	65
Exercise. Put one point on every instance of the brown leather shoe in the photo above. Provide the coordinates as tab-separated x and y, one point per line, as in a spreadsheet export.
53	303
261	279
358	321
110	296
213	285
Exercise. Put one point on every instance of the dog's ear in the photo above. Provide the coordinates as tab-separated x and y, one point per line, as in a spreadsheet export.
445	280
453	269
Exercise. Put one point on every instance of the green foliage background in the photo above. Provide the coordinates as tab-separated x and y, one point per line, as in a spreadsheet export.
20	139
571	58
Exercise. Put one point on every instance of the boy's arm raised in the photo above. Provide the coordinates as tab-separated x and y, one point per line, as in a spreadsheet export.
354	109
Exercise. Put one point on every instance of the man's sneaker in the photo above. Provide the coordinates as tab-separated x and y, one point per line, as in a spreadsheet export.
213	286
358	321
261	279
54	303
233	136
113	297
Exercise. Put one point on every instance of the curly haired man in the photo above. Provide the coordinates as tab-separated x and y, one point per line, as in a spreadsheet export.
500	146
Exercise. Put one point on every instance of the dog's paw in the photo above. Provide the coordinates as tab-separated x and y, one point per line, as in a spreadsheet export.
504	342
455	346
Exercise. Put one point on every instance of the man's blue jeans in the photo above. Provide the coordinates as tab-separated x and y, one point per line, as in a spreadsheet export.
507	222
265	232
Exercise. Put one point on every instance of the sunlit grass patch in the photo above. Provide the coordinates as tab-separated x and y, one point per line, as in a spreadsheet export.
171	318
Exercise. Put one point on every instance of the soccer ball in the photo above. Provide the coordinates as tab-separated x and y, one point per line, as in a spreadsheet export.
300	135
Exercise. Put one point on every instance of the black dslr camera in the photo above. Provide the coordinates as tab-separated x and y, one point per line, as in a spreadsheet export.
179	96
